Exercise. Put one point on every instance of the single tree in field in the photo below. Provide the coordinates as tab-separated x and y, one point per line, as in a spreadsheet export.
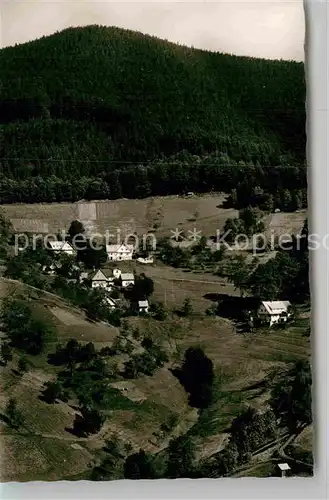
13	414
187	307
87	352
73	350
93	420
286	200
197	376
238	272
143	287
159	311
22	365
6	353
76	228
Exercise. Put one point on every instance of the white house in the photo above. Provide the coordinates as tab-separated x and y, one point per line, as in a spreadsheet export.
120	252
101	280
284	468
145	260
127	279
143	306
61	247
274	311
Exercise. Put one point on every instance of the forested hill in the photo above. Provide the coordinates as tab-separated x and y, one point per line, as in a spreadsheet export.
105	112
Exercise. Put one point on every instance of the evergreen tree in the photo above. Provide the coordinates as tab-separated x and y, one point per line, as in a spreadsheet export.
139	466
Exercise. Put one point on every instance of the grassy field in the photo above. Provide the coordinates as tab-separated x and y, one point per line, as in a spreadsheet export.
157	214
240	360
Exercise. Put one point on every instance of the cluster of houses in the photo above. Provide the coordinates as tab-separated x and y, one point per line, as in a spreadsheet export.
107	279
115	253
269	312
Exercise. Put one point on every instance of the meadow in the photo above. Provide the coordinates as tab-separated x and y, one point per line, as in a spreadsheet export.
138	407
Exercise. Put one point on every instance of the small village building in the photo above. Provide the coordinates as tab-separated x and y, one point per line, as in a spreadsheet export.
119	252
274	311
283	468
145	260
127	279
101	280
143	306
59	247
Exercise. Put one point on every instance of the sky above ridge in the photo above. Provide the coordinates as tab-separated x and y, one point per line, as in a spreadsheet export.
273	29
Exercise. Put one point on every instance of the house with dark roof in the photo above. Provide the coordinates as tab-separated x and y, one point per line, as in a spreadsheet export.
102	279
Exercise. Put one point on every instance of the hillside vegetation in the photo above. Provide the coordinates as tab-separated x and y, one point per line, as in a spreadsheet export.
99	112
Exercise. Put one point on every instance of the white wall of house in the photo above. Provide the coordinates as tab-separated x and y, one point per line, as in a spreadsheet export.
144	309
99	284
126	283
271	318
120	256
274	318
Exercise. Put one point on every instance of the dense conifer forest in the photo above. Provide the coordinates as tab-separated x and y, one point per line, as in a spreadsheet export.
104	113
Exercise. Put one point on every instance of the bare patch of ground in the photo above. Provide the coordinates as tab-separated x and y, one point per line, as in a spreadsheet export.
129	390
67	317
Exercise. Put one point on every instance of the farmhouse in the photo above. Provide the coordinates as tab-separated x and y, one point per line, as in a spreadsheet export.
127	279
143	306
61	247
119	252
274	311
101	280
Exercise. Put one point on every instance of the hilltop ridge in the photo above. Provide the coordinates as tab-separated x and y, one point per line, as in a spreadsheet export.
86	103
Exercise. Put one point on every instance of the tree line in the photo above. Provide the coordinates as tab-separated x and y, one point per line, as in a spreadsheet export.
277	187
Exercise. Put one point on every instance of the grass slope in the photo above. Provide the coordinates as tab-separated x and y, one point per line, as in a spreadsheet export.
241	361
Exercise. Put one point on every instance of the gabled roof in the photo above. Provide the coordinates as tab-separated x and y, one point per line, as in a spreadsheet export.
284	466
276	306
143	303
119	248
127	277
110	302
60	245
99	276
